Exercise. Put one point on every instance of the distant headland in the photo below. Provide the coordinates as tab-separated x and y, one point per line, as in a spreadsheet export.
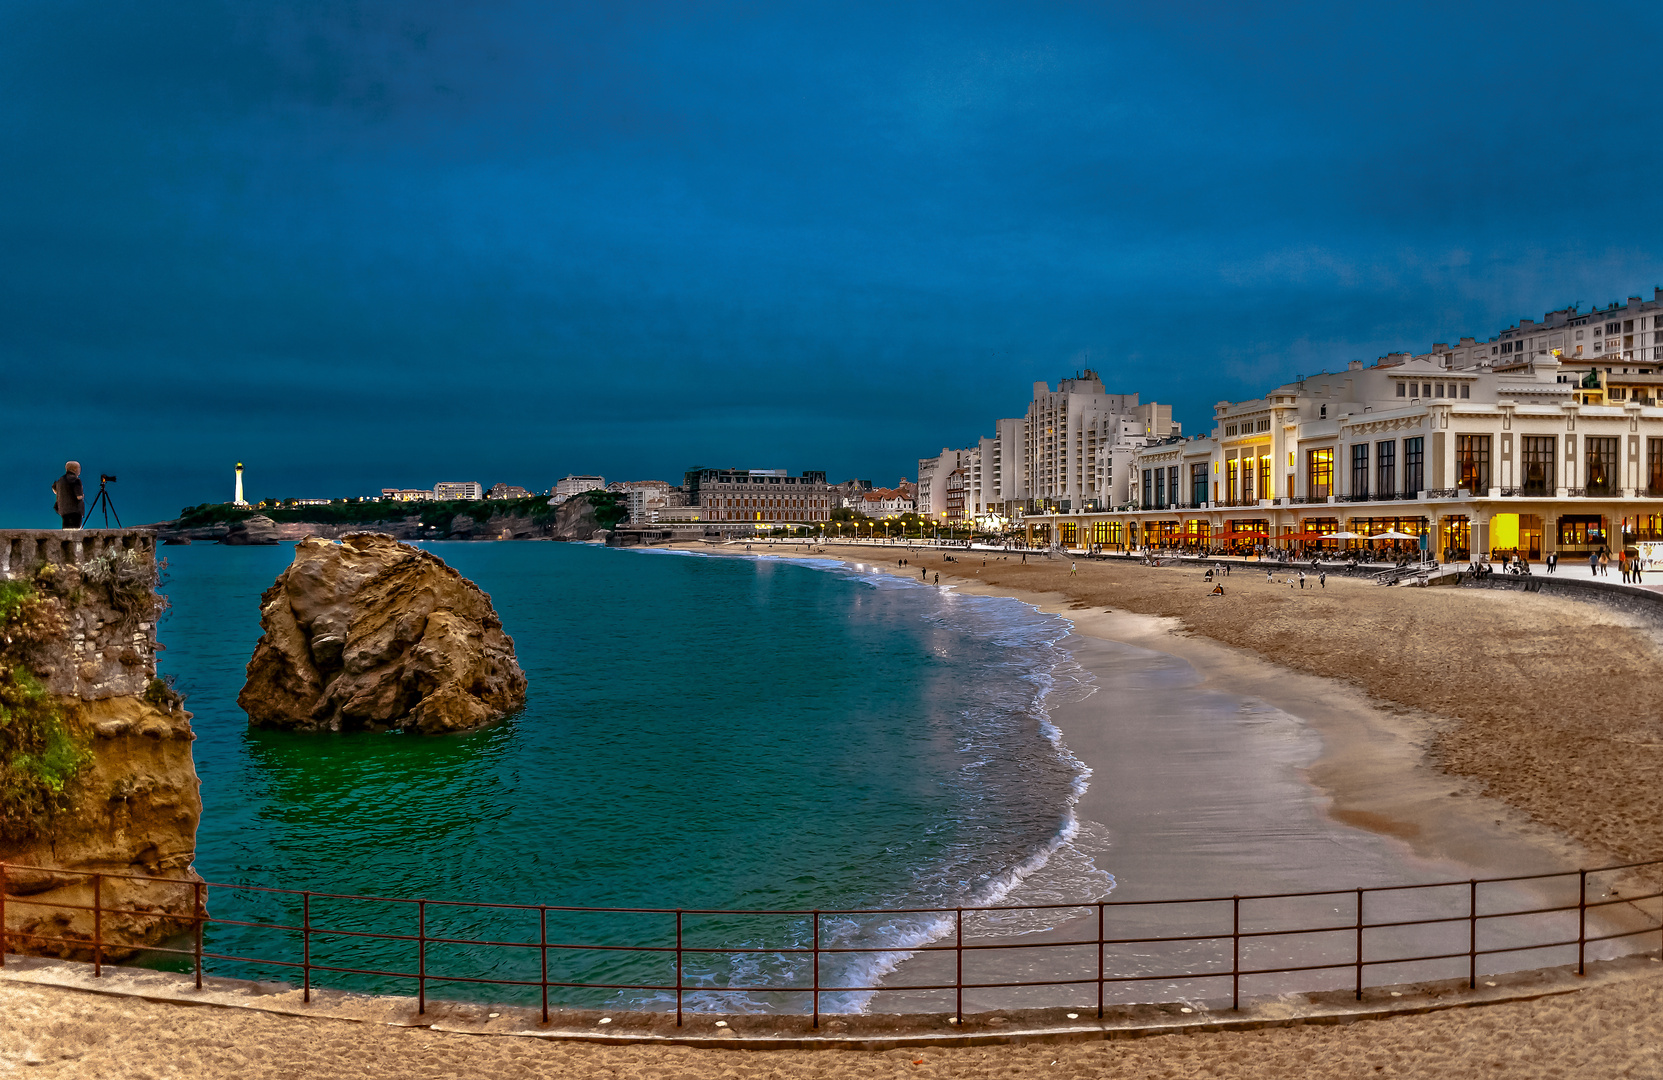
580	517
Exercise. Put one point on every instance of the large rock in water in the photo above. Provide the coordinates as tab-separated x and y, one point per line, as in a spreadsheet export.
370	634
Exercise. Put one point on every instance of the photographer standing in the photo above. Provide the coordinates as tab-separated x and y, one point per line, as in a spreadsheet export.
68	490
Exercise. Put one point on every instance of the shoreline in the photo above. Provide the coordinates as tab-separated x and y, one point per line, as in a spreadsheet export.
1340	789
1372	768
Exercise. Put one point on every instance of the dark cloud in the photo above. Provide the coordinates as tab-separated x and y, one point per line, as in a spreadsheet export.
369	243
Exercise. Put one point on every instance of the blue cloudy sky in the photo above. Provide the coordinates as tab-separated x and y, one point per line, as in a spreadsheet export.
367	244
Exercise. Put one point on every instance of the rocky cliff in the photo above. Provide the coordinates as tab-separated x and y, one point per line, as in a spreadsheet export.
582	517
96	775
370	634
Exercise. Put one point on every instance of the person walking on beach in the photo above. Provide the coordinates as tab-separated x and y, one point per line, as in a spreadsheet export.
1072	569
1322	579
938	579
67	489
1302	579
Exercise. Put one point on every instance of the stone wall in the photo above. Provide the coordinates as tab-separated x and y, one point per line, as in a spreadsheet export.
133	808
1612	594
102	658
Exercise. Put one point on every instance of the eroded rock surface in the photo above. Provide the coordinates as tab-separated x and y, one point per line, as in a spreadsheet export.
371	634
98	791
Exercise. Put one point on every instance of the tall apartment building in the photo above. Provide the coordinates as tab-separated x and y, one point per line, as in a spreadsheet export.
1072	436
643	499
1071	451
932	478
996	474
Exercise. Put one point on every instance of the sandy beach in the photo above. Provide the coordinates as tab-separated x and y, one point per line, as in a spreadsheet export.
1539	702
1608	1031
1501	731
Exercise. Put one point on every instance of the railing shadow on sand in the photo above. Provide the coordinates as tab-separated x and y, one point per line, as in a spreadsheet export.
1097	954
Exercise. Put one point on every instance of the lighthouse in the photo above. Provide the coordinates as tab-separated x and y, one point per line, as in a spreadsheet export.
239	499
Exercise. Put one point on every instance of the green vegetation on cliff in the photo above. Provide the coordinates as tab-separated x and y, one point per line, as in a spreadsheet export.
609	511
38	754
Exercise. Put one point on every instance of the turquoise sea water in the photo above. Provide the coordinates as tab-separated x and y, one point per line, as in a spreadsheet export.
700	732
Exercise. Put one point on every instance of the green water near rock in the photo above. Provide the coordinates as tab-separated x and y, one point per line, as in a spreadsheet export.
700	732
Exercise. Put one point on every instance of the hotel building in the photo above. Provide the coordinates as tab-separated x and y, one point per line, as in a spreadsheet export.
726	498
1071	452
577	485
458	489
1536	453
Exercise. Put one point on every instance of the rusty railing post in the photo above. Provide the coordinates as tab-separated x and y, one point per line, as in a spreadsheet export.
1235	952
816	967
958	971
543	947
97	925
421	956
678	967
199	909
1582	922
1100	964
1472	935
306	946
1359	944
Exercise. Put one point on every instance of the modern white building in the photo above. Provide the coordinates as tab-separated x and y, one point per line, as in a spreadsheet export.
1630	333
577	485
1071	451
932	479
458	489
407	494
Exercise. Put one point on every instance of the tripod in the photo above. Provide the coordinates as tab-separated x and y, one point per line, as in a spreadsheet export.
103	499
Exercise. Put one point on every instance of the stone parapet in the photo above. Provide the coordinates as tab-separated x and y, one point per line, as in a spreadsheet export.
24	551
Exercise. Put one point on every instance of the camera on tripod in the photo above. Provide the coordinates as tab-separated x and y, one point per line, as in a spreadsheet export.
103	498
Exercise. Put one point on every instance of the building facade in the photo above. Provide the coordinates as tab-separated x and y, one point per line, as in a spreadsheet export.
458	489
758	497
577	485
1544	454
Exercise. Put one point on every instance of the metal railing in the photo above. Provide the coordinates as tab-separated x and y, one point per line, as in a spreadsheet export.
1235	941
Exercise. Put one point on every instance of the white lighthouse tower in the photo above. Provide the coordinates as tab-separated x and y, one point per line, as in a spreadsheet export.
239	500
